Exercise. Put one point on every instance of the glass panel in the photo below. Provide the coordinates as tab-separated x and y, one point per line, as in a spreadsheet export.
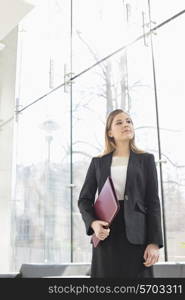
41	201
124	81
170	65
142	102
44	47
89	109
140	95
137	18
162	10
99	28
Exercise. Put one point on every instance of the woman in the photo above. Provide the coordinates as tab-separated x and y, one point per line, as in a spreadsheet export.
129	247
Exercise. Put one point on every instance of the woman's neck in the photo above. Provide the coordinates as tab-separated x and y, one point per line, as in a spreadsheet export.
122	149
122	152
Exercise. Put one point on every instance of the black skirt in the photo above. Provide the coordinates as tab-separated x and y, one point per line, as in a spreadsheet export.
116	257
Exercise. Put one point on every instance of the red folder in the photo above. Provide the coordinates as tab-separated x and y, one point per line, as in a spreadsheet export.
106	206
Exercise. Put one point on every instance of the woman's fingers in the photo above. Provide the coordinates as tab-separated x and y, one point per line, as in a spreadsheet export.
151	255
151	260
103	234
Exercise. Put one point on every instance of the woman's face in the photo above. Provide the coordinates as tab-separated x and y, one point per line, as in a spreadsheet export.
122	128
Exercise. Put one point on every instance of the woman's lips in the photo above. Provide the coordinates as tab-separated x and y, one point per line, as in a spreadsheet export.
126	131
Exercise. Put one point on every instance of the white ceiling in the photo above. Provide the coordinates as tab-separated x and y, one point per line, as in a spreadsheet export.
11	13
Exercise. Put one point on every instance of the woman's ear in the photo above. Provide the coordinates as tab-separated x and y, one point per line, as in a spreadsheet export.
109	133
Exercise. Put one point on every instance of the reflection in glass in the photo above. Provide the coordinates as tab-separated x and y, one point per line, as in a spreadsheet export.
41	201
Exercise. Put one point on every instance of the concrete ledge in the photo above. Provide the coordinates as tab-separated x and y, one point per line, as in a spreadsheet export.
8	275
82	270
54	270
169	269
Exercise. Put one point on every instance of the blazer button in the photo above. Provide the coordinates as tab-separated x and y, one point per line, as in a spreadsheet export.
126	197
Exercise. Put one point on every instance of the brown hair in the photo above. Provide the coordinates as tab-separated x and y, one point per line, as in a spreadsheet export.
109	141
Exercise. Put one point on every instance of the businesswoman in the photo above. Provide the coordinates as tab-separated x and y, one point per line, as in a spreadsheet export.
129	247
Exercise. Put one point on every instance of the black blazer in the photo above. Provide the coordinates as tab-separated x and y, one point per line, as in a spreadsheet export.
142	211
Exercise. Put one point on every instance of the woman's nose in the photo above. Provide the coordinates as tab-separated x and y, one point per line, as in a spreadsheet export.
125	125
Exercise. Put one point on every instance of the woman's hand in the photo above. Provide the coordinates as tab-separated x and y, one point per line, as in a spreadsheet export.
151	255
99	230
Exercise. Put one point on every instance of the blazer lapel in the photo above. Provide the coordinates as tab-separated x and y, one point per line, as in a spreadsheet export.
105	167
133	164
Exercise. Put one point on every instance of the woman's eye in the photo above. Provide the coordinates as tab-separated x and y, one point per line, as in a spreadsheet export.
128	121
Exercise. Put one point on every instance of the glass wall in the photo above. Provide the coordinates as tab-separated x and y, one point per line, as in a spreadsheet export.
41	207
166	9
98	30
44	48
96	57
170	66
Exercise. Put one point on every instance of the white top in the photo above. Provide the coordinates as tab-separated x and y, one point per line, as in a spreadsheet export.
118	174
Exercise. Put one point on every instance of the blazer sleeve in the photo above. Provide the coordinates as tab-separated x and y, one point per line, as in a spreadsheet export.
87	198
154	229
